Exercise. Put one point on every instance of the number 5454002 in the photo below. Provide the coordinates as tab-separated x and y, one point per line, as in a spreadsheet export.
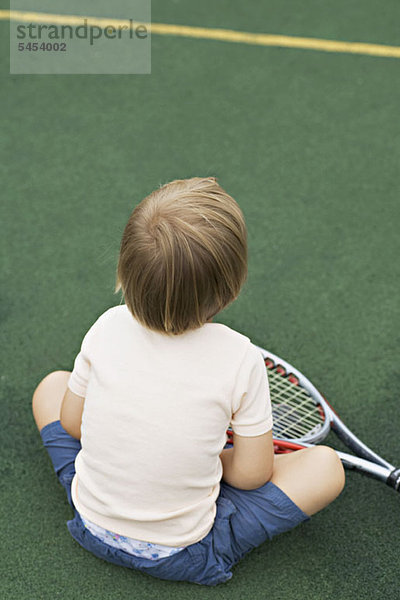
44	46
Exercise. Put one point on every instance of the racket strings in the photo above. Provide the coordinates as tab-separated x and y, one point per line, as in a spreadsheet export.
294	411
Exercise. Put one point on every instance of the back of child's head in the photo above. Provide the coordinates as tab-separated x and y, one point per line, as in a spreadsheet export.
183	255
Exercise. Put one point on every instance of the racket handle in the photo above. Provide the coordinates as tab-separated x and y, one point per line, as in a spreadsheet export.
394	479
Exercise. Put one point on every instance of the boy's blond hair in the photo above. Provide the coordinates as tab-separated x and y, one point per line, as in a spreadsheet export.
183	255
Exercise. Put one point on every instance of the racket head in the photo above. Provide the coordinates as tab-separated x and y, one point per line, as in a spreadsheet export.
293	398
301	415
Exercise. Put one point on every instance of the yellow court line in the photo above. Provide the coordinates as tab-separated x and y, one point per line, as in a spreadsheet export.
223	35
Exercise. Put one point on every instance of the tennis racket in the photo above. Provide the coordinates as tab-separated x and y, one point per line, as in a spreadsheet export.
302	418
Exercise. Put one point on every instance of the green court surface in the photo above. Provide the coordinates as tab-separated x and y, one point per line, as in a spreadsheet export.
308	143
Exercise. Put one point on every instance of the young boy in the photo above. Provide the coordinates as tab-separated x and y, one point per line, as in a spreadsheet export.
137	431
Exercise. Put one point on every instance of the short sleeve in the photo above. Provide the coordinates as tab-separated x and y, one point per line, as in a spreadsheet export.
252	412
79	377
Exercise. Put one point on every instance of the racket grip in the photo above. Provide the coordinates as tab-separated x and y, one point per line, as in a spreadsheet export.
394	479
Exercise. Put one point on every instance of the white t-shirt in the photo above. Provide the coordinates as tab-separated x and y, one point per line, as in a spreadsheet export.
154	424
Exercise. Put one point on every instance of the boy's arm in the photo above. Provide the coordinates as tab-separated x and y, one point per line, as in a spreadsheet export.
248	465
71	413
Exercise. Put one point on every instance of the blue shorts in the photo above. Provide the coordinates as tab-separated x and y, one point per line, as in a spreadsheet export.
244	520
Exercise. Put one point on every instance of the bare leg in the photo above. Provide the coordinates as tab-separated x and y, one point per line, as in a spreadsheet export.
48	397
312	478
